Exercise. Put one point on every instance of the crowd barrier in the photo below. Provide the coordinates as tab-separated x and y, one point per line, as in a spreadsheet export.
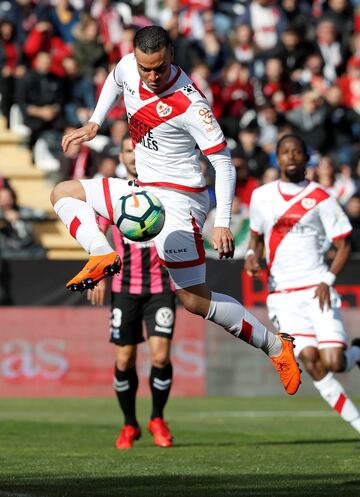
41	282
53	344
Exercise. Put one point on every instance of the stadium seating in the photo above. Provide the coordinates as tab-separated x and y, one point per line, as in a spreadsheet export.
33	190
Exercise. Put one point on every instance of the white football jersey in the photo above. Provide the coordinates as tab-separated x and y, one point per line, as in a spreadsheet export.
165	128
295	228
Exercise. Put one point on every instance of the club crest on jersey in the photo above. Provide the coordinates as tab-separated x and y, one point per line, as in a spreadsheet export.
308	203
163	110
189	89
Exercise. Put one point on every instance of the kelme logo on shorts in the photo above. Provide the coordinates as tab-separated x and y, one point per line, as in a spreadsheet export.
308	203
163	110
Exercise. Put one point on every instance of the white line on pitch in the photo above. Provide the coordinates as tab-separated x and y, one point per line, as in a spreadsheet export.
260	414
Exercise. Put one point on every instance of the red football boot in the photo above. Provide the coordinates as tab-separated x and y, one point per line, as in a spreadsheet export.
127	437
161	433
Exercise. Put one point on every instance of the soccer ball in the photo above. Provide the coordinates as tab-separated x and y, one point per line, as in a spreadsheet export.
139	216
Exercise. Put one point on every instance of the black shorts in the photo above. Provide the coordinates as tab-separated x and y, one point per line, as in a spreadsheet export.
128	312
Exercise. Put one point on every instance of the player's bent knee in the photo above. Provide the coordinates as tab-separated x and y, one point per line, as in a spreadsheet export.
125	363
191	302
159	360
334	365
71	188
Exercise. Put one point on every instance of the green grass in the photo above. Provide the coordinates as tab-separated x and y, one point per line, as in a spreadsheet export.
224	447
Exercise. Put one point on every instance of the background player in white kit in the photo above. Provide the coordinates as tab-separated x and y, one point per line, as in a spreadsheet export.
168	117
293	216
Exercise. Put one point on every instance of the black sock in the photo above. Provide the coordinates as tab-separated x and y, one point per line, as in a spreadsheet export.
125	385
160	384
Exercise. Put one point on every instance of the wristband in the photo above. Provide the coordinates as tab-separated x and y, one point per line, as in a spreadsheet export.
328	278
249	252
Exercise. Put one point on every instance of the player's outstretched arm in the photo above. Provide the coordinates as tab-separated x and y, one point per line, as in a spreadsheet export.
223	242
80	135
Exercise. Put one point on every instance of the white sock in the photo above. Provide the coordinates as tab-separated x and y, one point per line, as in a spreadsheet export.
352	356
231	315
334	394
79	218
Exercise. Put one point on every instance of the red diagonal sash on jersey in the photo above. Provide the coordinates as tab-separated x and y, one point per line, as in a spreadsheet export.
291	217
155	113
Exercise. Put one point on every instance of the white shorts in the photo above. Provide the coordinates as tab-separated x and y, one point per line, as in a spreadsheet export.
299	314
180	244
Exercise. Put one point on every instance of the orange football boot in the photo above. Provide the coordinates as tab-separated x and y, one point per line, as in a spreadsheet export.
286	365
97	268
127	437
161	433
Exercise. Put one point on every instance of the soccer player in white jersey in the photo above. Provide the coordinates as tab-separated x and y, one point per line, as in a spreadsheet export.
168	117
293	217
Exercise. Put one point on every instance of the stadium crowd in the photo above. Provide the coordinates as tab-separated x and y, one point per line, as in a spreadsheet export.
267	68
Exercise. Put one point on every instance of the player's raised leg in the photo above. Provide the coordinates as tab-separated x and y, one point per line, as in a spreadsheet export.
69	201
321	365
234	318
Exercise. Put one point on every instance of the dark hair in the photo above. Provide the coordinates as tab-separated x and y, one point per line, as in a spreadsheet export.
152	39
293	137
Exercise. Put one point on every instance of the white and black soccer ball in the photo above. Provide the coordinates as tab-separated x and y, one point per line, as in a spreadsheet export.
139	216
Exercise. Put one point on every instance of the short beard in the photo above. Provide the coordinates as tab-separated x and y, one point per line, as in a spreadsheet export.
295	176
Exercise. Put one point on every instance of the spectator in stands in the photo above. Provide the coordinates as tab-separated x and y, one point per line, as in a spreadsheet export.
342	122
311	76
353	211
111	27
333	52
12	67
267	23
237	95
202	77
248	149
349	83
118	129
186	54
341	14
23	14
16	239
309	120
79	94
214	52
41	99
340	184
297	17
43	39
88	48
64	18
242	44
106	168
268	120
291	50
276	88
245	184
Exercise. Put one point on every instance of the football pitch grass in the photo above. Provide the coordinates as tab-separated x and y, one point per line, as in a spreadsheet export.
223	447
